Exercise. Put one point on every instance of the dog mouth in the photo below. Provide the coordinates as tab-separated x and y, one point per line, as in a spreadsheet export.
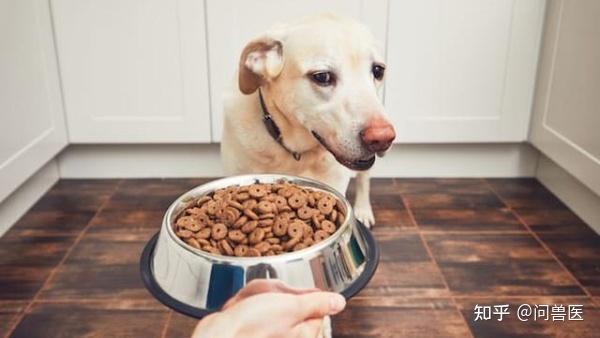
358	164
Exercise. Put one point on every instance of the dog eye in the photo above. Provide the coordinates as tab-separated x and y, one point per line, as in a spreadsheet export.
322	78
378	72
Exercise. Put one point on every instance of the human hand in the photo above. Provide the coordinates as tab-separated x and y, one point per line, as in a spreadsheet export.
269	308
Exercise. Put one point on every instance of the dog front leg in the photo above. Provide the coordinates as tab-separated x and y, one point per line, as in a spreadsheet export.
362	204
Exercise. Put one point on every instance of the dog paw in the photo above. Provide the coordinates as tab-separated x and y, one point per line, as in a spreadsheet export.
364	214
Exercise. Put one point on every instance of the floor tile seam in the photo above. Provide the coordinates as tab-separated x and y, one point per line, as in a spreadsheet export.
435	263
60	263
539	240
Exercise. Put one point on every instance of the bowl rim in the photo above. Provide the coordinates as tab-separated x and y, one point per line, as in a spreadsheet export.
205	188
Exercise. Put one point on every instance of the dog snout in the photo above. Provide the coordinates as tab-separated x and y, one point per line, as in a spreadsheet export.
378	135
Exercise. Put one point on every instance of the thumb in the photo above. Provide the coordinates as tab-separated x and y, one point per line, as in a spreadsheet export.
318	304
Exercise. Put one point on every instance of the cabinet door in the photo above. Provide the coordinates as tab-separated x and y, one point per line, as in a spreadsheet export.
32	126
566	120
133	70
462	70
232	23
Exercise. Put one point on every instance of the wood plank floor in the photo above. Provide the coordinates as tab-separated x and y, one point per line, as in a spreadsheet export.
69	267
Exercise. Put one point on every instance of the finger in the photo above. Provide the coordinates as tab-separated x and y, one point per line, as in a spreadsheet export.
259	286
317	305
309	329
255	287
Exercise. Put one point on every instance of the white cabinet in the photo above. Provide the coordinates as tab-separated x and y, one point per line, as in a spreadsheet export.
462	70
232	23
566	120
133	70
154	71
32	127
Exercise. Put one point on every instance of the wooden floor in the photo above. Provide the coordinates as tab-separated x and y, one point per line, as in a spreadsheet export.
69	268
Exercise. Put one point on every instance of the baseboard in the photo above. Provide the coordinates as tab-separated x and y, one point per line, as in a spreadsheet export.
583	201
20	200
413	160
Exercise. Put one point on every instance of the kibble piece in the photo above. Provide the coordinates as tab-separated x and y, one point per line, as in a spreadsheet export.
320	235
315	221
240	250
326	205
219	231
280	202
257	190
318	194
193	242
299	246
242	196
184	233
311	200
256	236
252	252
286	192
240	222
308	232
265	207
182	222
236	236
236	205
249	204
297	200
211	249
333	215
273	240
280	227
341	218
328	226
296	229
265	222
291	243
211	207
263	247
202	242
305	212
204	233
249	227
203	200
224	245
231	215
276	247
251	214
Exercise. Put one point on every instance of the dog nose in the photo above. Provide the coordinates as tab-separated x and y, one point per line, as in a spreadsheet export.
378	135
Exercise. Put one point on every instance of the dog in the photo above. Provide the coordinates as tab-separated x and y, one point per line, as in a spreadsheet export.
306	103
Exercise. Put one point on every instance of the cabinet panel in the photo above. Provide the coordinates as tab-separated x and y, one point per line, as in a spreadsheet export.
133	70
462	71
32	128
232	23
566	120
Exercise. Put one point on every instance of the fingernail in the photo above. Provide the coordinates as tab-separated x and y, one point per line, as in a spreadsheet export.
337	303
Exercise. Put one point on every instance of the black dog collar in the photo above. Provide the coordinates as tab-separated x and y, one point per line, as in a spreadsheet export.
273	129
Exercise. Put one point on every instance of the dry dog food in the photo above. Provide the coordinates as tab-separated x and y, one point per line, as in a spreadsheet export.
260	220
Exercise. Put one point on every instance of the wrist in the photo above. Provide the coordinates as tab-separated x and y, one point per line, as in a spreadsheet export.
216	325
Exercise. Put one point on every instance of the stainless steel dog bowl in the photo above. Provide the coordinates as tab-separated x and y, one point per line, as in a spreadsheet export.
196	282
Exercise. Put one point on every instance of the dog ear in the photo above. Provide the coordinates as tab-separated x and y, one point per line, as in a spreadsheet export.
261	61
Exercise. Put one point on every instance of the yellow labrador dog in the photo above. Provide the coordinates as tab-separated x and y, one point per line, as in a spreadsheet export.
306	103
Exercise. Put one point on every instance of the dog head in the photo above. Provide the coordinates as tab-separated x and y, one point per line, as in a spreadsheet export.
324	73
